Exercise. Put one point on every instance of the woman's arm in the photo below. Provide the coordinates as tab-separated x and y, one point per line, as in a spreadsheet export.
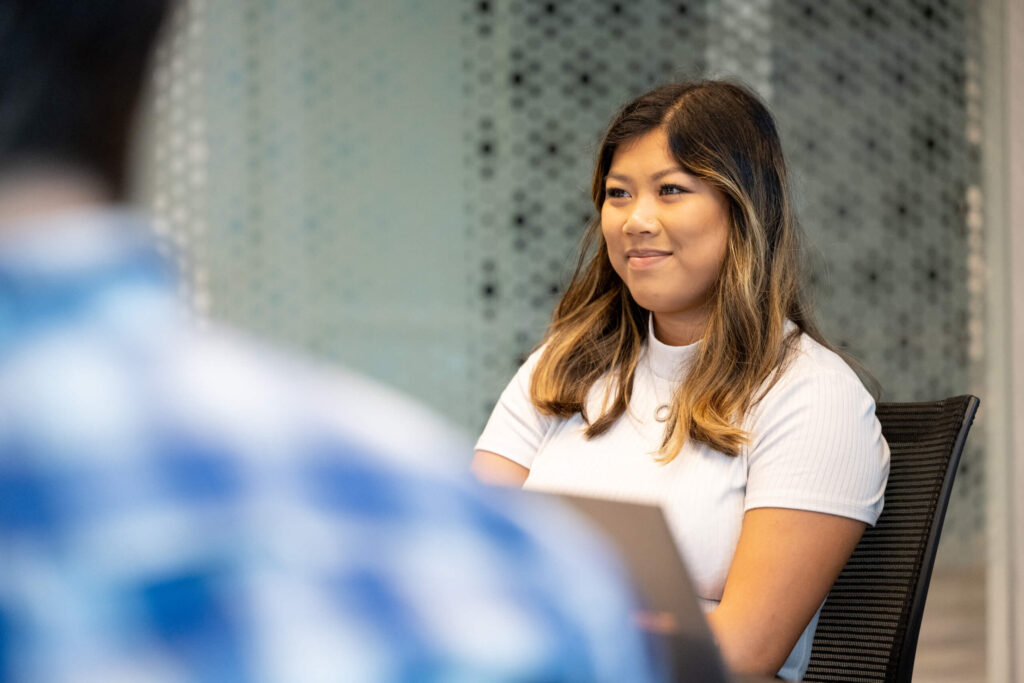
785	564
515	428
491	468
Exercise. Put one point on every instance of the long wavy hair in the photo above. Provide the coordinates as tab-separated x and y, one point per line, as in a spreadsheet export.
723	134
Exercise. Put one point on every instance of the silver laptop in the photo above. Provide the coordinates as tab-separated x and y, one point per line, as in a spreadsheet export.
671	616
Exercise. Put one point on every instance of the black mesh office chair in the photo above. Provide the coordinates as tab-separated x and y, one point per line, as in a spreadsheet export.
870	621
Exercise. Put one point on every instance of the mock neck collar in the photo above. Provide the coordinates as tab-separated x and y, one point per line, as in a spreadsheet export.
668	362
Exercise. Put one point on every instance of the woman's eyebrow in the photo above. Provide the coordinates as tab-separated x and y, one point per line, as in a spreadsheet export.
654	176
668	171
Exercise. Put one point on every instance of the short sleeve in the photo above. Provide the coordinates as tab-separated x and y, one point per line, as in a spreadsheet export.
516	429
817	446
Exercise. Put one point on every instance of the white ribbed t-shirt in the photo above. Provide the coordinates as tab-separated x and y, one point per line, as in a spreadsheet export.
815	445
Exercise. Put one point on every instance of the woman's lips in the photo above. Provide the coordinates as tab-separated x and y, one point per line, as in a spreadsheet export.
646	258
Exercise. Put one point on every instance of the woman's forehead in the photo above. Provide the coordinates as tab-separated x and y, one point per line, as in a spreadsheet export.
649	148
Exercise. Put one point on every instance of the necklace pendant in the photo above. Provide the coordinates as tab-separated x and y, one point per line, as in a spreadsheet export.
662	412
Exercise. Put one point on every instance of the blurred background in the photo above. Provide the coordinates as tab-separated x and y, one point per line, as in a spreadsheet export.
400	186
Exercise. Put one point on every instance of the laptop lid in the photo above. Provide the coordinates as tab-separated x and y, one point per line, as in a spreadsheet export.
671	615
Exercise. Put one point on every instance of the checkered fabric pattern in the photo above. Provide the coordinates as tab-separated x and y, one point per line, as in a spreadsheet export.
184	505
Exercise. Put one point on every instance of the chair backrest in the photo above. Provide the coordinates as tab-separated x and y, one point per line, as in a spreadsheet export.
870	621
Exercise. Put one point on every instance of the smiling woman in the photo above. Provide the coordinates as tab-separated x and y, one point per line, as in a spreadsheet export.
666	232
683	368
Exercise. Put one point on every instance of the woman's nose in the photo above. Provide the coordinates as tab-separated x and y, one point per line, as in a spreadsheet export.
642	219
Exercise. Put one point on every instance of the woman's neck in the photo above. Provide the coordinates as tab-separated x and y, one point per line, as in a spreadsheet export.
679	331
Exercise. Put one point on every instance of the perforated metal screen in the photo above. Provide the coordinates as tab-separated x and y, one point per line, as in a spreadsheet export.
400	186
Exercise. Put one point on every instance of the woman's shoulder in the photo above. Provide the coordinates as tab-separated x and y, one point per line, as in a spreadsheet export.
815	443
814	379
812	360
527	364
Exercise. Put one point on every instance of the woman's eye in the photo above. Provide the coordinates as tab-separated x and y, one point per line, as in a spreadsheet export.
616	192
673	189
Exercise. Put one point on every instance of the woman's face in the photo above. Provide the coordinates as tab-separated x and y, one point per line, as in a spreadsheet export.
666	232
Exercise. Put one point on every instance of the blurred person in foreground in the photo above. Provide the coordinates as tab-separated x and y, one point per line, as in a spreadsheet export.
178	505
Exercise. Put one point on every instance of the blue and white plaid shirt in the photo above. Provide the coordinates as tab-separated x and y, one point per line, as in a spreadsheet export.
178	505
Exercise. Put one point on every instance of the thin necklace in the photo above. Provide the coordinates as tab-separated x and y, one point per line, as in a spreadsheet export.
664	410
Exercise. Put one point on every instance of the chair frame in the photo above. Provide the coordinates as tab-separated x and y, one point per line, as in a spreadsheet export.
900	664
